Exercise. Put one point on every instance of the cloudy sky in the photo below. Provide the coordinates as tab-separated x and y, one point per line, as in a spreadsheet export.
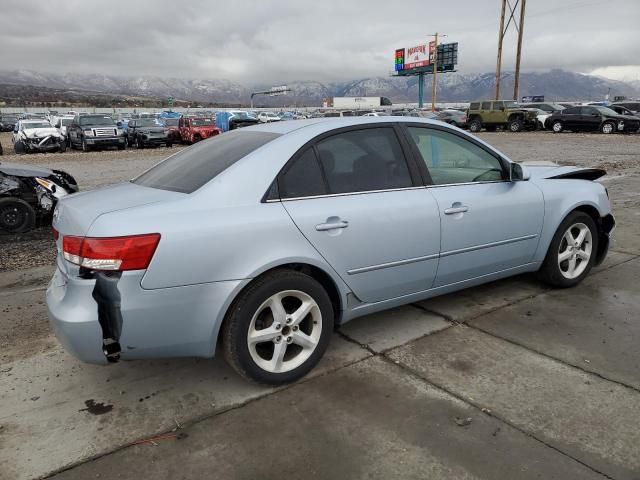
284	40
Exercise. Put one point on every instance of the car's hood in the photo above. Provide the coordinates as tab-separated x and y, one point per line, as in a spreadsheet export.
77	212
41	132
21	170
547	170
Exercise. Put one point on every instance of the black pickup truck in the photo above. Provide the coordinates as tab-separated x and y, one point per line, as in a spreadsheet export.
89	131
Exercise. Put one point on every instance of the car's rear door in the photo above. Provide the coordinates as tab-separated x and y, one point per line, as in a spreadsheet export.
488	223
359	201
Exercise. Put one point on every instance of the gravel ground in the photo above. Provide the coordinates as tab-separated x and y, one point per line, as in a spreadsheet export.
618	154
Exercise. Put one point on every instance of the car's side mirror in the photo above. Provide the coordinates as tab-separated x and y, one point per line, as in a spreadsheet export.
519	173
119	124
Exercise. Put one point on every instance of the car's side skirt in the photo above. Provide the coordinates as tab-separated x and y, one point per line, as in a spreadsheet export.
362	309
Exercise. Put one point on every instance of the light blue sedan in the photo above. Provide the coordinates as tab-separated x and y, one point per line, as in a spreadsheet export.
263	239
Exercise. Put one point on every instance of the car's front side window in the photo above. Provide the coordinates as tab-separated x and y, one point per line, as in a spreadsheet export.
364	160
451	159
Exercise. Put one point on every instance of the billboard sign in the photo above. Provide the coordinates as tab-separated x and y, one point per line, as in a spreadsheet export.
420	58
417	56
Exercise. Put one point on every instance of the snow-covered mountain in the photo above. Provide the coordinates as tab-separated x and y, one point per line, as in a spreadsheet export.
452	87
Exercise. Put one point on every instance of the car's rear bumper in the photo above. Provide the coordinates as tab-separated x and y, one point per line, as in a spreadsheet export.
168	322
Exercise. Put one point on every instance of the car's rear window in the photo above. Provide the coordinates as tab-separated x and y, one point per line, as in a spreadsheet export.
191	168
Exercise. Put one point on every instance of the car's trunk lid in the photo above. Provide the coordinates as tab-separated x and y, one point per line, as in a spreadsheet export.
76	213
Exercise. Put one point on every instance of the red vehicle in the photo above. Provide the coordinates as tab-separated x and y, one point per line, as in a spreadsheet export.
172	128
194	129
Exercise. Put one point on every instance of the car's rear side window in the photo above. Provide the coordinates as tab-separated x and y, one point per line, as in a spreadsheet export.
364	160
191	168
303	178
474	106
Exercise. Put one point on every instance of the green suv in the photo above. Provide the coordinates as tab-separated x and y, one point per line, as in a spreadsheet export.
492	114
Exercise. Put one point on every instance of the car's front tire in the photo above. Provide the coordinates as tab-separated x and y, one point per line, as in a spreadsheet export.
278	328
475	125
557	126
572	252
608	127
515	125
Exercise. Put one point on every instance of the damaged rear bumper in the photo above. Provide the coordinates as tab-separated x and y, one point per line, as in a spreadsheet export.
170	322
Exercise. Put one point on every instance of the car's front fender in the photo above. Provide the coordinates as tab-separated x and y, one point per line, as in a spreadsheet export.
563	196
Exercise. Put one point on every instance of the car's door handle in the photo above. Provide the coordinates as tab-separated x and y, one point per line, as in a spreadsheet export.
330	226
452	210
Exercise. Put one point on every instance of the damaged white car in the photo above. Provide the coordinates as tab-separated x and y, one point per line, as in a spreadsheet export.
37	136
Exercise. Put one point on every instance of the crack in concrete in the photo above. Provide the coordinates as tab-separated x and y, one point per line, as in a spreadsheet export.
467	401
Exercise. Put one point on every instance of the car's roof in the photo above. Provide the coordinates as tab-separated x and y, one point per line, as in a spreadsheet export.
332	123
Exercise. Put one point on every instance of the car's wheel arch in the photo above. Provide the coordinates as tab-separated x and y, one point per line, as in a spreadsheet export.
603	220
333	285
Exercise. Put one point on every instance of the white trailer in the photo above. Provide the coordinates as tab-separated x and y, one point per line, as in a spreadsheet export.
355	103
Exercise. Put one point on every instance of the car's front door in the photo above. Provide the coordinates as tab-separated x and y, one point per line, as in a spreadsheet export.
358	201
488	223
590	118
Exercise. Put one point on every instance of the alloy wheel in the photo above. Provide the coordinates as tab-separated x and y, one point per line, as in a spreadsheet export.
607	128
575	251
285	331
557	127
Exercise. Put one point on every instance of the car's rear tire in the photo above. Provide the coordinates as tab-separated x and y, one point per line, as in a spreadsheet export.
278	328
557	126
572	252
139	143
515	125
608	127
63	147
16	215
475	125
18	147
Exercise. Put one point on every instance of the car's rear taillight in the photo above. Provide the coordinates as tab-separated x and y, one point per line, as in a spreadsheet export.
111	253
55	234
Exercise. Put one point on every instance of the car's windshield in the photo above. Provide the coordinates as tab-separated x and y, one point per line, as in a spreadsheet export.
97	120
199	122
605	111
27	125
191	168
510	104
146	122
65	122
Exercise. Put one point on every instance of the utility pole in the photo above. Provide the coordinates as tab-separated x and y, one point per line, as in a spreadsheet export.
499	61
516	81
501	34
434	85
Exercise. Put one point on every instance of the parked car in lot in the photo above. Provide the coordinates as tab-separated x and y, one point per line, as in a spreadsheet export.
31	136
8	122
171	125
28	195
194	129
548	107
263	239
267	117
89	131
146	132
592	118
62	124
500	114
240	119
620	110
453	117
633	106
376	114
